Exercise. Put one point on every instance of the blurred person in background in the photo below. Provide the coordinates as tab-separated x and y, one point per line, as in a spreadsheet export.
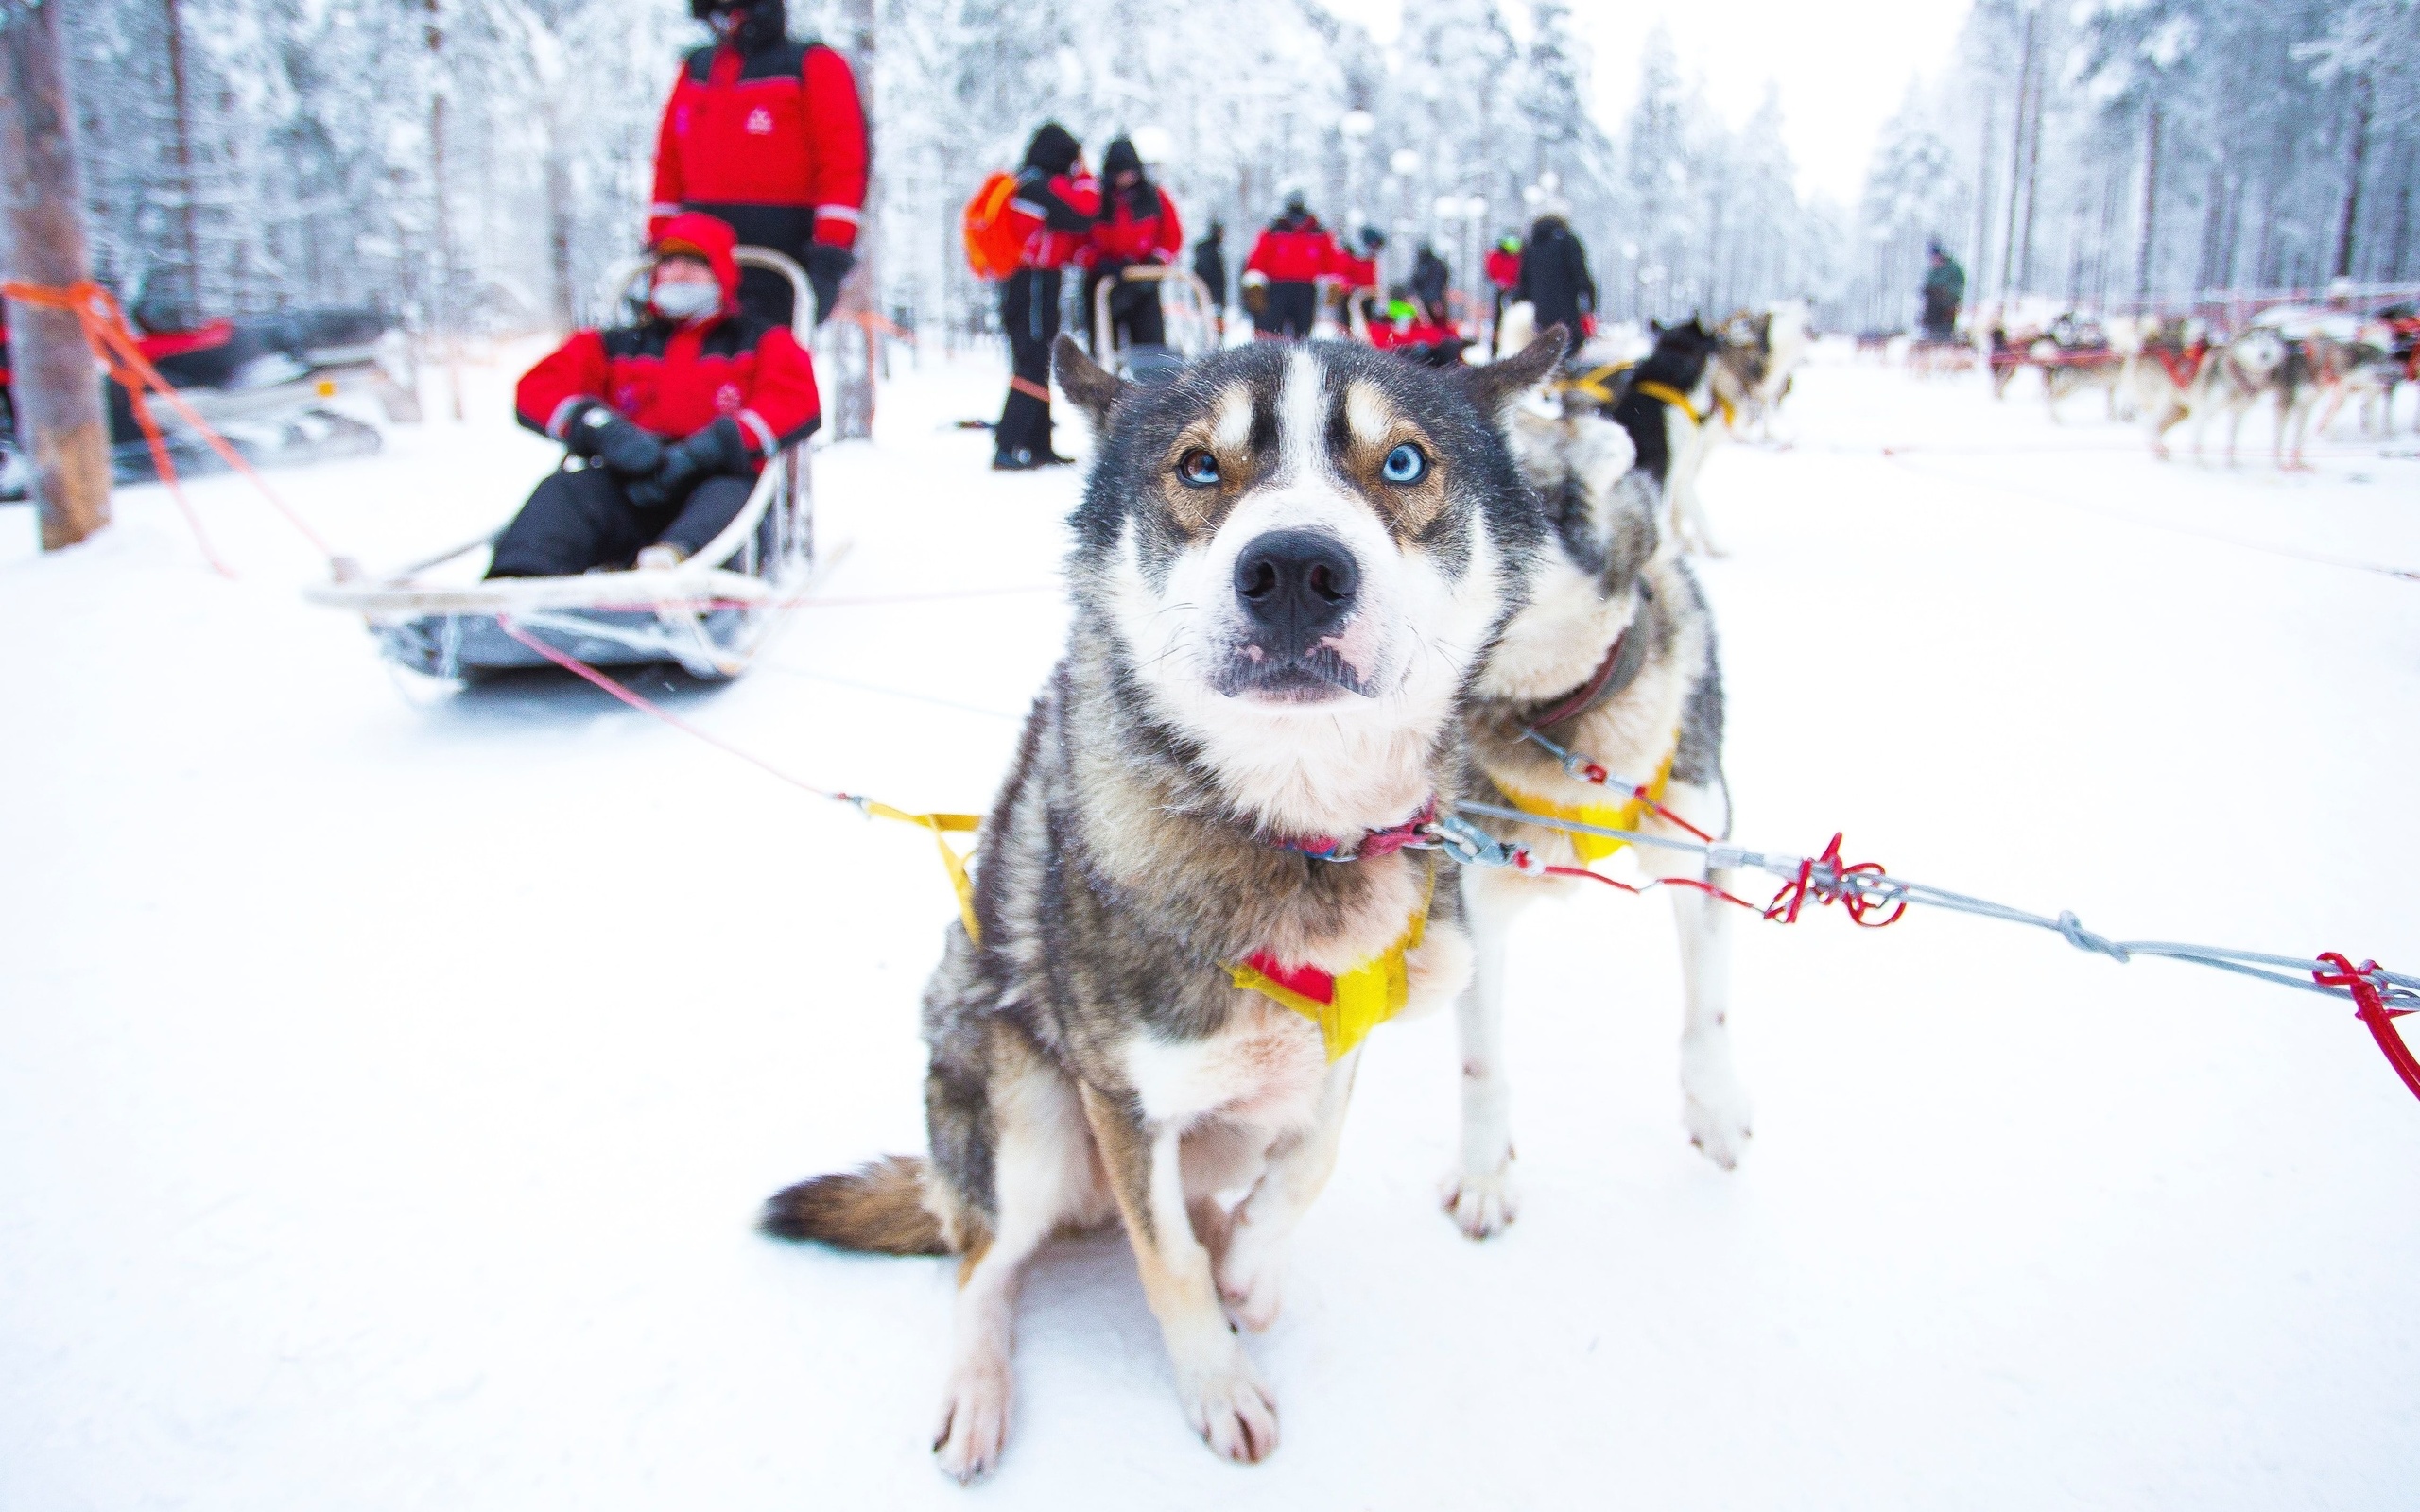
1944	290
1055	204
1138	226
1555	279
1281	278
1210	267
1432	277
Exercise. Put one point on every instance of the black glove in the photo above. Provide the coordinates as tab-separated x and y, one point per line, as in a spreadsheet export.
623	447
825	267
690	461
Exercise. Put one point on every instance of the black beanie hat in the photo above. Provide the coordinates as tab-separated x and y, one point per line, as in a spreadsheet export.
1052	149
1120	158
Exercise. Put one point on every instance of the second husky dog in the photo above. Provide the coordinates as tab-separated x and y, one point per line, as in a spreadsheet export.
1193	895
1612	660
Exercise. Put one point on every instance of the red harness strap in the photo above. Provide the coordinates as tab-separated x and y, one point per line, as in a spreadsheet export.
2189	361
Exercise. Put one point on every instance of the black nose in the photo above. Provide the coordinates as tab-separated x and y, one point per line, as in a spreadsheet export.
1297	586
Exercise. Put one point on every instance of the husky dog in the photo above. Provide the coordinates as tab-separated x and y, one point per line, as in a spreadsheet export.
1193	893
1741	365
2164	377
1785	343
2258	365
2075	355
1669	410
1613	660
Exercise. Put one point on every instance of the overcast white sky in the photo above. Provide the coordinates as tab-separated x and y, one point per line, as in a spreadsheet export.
1842	68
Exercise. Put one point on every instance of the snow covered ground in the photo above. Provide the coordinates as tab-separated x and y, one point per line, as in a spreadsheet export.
389	1077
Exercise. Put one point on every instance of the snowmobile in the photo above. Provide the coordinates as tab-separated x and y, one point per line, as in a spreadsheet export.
262	382
1186	310
707	615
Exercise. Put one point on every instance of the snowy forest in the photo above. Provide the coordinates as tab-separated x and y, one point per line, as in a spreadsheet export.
478	165
2148	154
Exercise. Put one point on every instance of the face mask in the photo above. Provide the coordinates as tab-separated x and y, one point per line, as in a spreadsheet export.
685	301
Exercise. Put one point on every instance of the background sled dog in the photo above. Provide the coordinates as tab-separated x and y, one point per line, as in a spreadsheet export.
1289	561
1613	657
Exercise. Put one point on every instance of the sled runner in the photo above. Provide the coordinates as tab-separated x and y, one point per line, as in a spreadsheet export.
1185	306
706	616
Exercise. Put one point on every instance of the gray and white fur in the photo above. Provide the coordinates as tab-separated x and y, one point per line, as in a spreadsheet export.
1275	630
1608	586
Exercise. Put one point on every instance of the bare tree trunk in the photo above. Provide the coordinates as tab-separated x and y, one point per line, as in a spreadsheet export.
41	201
1983	195
2353	182
559	227
2016	162
441	307
180	100
2033	180
2151	206
853	344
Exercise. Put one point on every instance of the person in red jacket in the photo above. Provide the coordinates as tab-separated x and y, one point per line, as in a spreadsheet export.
1357	271
1293	253
667	421
1503	270
1138	224
769	135
1055	204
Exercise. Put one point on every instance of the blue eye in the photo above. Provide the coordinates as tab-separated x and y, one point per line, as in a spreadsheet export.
1198	468
1403	465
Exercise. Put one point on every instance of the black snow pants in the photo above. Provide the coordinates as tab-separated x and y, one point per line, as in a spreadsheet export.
1134	318
1030	313
1290	310
577	520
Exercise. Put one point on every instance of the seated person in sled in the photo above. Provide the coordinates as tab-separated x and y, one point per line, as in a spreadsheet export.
667	421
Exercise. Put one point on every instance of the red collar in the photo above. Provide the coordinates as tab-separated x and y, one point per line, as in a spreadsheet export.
1374	843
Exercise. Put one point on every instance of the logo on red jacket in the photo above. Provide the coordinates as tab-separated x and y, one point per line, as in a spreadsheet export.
727	399
760	122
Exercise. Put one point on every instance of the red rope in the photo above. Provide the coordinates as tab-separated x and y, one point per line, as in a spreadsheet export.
601	681
1794	893
2369	1005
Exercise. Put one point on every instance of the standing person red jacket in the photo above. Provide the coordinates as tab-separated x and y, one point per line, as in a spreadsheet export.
1138	224
1293	253
769	135
1053	206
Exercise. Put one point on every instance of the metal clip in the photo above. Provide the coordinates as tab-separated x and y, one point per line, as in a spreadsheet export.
1473	846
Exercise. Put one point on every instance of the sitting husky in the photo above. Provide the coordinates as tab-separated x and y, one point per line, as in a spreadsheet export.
1613	660
1193	896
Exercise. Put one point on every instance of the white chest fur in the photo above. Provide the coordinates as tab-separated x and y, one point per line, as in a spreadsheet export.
1265	1068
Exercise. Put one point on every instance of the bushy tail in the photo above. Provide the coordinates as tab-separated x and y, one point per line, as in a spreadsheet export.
879	1209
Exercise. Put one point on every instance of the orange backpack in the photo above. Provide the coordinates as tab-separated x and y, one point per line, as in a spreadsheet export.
995	240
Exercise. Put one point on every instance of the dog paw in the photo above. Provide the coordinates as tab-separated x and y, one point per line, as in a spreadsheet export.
1714	1106
1482	1204
1232	1410
1252	1282
975	1421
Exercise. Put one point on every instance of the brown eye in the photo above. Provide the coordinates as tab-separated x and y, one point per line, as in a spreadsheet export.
1198	468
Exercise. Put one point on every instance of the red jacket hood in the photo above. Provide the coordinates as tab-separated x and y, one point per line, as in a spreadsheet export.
709	237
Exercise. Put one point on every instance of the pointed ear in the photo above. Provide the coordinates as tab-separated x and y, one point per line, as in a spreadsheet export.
1500	385
1086	382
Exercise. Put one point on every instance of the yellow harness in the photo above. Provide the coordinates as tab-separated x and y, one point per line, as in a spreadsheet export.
1680	401
1623	816
1346	1008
